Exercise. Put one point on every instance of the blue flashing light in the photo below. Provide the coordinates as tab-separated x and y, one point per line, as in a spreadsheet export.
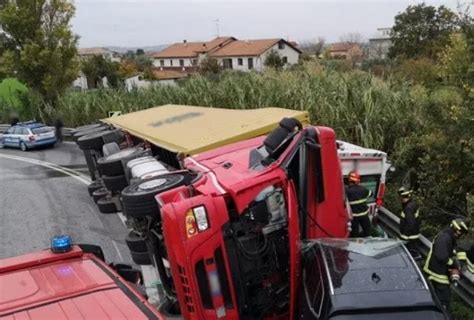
61	244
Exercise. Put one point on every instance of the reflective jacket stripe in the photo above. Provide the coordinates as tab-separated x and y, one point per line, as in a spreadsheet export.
440	278
404	237
450	262
463	256
417	213
358	201
360	214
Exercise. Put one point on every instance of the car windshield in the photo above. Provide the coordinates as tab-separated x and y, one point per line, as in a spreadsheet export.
371	247
40	130
395	315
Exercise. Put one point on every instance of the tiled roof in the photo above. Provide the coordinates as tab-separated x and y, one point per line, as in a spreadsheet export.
92	51
191	49
341	46
248	47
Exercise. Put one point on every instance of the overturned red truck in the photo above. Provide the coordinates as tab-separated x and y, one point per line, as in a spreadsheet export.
222	223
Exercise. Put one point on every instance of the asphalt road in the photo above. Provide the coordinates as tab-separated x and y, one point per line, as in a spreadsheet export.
38	202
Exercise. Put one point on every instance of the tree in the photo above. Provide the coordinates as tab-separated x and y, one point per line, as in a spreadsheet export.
274	60
315	47
352	38
37	45
140	52
457	63
422	31
209	66
97	67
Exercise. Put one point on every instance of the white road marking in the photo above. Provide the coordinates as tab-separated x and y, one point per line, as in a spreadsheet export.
72	173
148	271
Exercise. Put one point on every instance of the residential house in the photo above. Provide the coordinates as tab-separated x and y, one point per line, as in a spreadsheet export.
380	44
231	53
160	77
344	50
85	53
248	55
187	54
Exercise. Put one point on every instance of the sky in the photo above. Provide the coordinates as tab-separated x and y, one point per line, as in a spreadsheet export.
138	23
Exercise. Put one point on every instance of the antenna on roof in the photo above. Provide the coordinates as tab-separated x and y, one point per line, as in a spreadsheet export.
217	26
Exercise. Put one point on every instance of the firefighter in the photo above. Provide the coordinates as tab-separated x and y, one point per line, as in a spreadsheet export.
358	196
441	265
409	223
467	256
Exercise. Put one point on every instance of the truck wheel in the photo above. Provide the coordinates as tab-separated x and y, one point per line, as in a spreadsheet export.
135	242
112	165
96	185
275	138
77	134
87	127
139	199
115	183
290	124
95	141
107	205
141	258
110	148
99	194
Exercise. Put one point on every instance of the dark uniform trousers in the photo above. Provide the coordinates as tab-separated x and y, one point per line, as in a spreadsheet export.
358	196
438	263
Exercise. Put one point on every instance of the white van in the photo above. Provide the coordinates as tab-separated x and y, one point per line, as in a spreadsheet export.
372	166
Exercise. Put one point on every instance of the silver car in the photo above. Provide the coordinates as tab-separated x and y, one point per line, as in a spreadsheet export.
28	135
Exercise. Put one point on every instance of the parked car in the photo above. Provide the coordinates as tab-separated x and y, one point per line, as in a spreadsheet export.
363	279
28	135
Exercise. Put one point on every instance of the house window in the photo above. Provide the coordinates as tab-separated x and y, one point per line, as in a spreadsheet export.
194	62
250	63
171	62
240	61
181	62
140	78
285	60
281	45
162	63
227	63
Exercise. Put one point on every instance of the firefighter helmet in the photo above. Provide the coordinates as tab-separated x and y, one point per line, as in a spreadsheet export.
354	176
460	224
404	192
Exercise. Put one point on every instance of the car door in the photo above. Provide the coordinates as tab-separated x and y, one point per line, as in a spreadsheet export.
8	136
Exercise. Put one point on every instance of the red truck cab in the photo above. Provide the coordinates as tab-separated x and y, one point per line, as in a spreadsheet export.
233	236
70	285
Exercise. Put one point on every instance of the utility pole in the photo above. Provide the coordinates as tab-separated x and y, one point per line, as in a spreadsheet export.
217	26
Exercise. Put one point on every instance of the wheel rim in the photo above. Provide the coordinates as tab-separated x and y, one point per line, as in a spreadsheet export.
23	146
152	184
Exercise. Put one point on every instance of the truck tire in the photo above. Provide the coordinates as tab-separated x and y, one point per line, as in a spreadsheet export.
115	183
95	141
139	199
87	127
135	242
112	165
290	124
275	138
99	194
110	148
107	205
96	185
141	258
75	136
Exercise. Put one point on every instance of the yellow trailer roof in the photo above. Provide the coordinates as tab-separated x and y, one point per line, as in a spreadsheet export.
191	130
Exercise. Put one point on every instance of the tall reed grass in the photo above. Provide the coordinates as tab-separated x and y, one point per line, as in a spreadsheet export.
361	108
